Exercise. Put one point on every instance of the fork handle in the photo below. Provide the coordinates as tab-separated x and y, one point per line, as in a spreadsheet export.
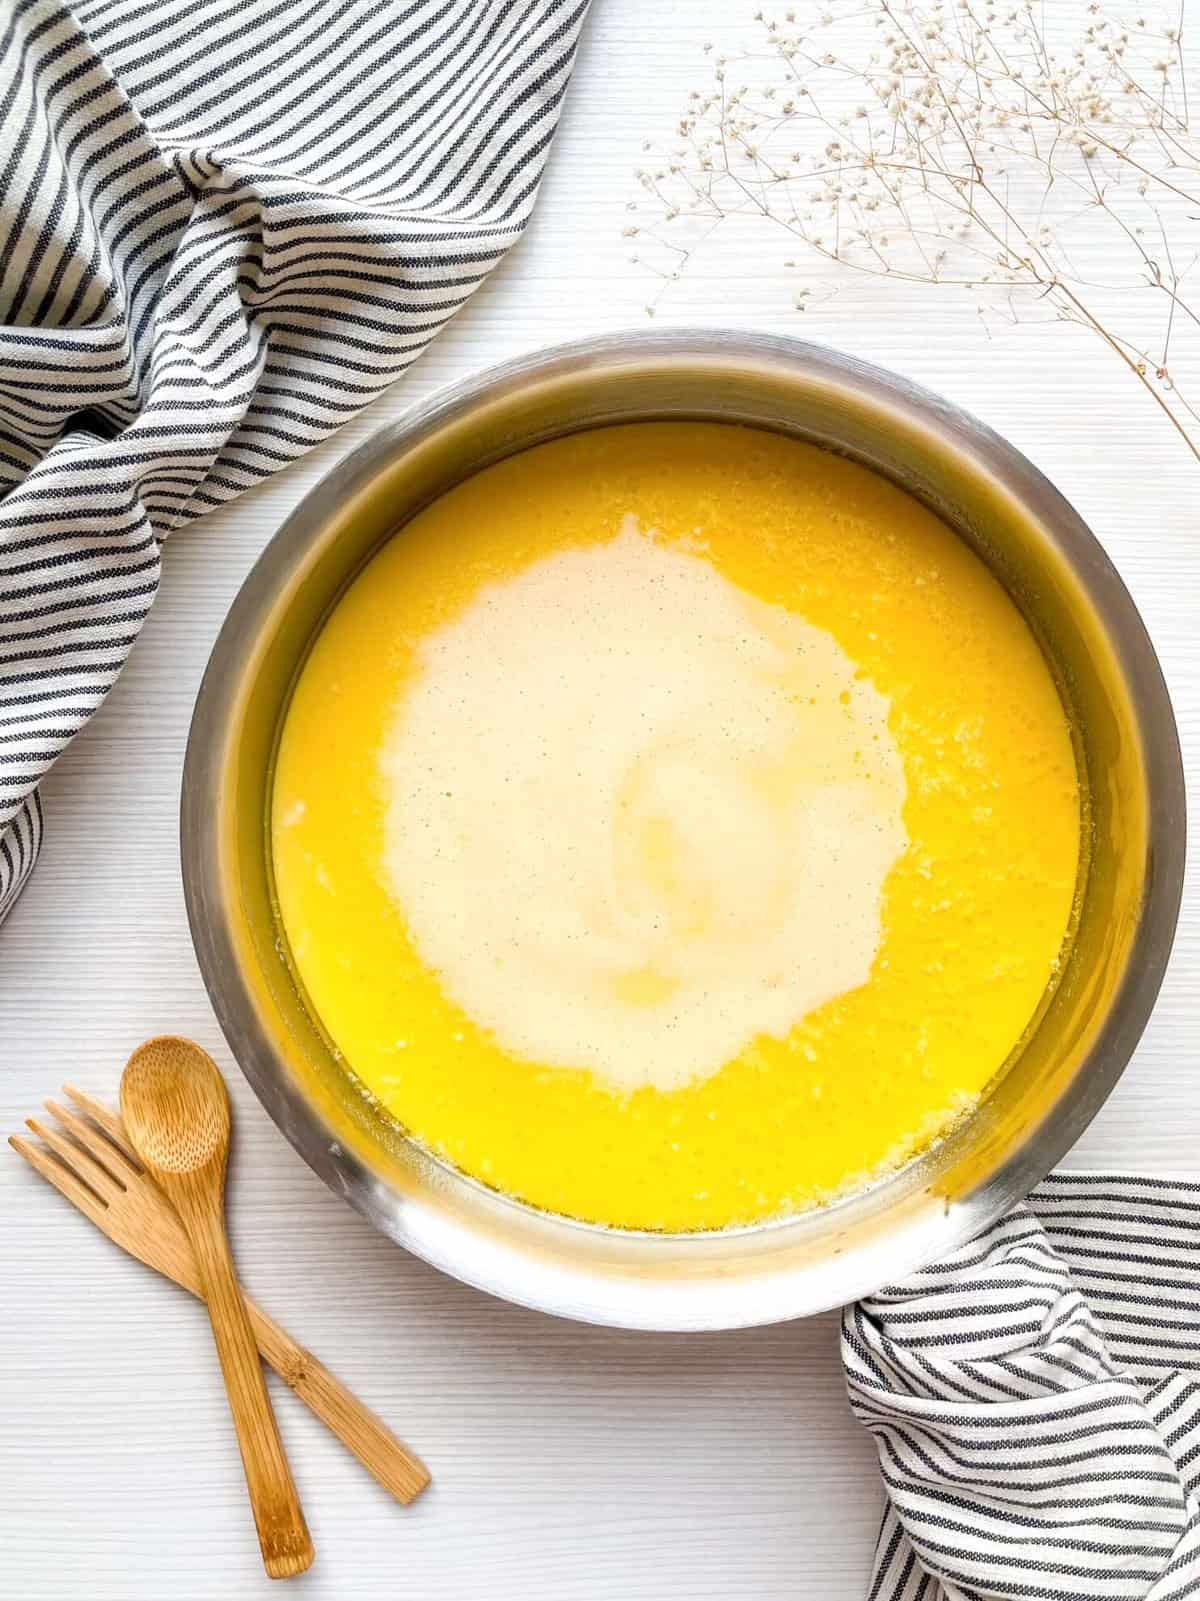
399	1472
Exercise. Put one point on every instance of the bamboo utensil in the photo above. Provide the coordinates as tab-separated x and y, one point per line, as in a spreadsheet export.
176	1109
93	1165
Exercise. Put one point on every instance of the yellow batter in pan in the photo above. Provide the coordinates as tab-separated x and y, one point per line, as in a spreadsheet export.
675	825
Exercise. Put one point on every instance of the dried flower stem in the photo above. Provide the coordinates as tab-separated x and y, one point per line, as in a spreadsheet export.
959	146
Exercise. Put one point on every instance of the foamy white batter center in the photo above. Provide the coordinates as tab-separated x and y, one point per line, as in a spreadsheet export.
636	816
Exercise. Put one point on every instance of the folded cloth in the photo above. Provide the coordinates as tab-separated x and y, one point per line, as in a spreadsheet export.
224	229
1035	1399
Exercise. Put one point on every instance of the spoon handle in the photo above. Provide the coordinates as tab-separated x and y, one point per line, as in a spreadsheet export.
287	1547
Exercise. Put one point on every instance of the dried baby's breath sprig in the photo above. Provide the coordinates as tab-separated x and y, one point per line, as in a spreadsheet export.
956	142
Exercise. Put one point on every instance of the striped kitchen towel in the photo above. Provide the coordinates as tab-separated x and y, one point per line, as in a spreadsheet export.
1035	1399
224	229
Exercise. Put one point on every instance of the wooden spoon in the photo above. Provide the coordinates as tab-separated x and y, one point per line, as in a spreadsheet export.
176	1112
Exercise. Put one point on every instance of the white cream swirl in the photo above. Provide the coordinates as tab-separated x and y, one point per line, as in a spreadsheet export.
637	816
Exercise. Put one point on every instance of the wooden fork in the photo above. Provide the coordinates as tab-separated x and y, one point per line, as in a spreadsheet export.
94	1166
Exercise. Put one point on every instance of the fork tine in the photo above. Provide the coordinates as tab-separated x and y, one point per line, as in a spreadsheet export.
105	1119
105	1152
62	1178
82	1163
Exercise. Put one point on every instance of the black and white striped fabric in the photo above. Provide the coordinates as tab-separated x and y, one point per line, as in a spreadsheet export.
1035	1399
224	229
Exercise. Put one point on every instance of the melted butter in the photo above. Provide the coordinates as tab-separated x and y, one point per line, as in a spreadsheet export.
661	825
868	654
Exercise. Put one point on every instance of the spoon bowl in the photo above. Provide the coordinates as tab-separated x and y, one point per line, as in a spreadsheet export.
175	1105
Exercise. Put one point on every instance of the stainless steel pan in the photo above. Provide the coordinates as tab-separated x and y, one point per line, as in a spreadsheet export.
1034	1110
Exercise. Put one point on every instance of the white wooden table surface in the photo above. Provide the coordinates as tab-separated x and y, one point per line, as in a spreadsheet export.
569	1462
